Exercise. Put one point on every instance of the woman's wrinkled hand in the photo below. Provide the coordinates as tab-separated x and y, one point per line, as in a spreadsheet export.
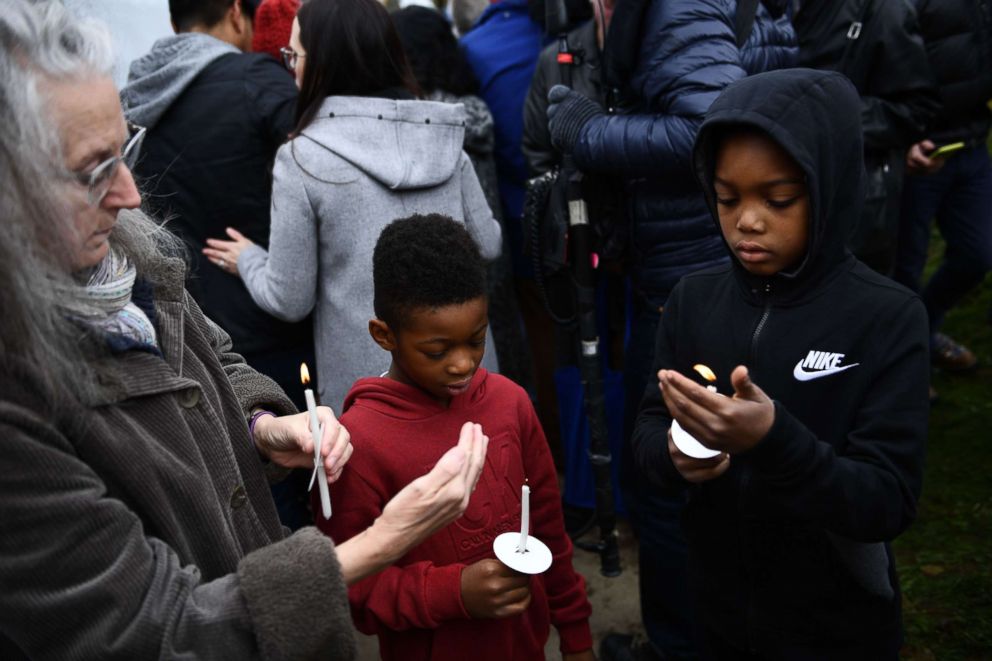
287	441
434	500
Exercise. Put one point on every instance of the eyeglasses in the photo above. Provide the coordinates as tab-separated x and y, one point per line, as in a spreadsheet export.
290	57
99	180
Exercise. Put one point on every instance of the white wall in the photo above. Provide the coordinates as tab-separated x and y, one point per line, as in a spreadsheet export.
134	26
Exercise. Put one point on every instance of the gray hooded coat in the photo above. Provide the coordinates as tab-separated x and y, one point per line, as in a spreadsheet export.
361	164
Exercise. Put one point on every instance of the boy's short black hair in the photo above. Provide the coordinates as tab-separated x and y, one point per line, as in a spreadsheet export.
188	14
424	261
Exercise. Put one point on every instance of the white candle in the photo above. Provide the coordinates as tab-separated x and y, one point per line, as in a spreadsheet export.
325	496
711	388
524	518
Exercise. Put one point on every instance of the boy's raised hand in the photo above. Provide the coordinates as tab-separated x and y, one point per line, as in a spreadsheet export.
729	424
490	589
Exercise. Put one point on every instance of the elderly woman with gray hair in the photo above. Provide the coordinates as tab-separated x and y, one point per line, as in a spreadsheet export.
135	521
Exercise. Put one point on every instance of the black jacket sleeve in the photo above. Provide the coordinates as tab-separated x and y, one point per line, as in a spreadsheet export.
867	489
649	442
541	155
899	95
271	93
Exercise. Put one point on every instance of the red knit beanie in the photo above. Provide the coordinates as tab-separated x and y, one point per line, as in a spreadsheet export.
273	25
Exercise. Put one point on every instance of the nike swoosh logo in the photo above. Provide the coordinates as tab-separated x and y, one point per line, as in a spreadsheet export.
803	375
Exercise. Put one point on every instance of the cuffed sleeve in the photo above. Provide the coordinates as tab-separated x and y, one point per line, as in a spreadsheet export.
294	592
83	577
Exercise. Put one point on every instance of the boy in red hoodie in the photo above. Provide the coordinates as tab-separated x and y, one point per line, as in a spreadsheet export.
449	598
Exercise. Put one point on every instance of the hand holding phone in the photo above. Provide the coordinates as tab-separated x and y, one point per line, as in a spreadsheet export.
946	150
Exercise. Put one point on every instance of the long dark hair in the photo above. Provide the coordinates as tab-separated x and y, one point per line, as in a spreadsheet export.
436	60
352	49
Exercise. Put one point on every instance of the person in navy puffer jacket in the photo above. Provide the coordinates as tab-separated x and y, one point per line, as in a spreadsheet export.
688	54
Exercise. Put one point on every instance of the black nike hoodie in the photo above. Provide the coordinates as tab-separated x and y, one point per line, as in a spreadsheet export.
788	550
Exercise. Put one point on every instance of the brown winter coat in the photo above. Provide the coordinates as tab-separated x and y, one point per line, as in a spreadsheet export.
141	526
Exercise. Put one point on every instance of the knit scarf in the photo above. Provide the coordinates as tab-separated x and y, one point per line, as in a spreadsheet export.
104	303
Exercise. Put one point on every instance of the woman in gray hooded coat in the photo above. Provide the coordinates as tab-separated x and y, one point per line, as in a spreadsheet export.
365	153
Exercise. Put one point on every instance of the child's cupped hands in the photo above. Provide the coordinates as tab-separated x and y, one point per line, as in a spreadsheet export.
728	424
490	589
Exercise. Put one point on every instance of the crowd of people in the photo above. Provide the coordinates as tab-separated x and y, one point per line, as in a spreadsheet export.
375	193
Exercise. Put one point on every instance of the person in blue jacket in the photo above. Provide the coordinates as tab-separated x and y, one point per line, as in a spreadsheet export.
688	54
822	366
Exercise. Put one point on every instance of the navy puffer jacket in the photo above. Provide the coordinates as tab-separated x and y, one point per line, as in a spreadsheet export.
688	55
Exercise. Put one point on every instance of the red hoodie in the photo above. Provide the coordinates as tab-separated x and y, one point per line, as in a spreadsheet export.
415	606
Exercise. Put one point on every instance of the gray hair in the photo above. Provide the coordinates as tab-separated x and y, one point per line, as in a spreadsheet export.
39	42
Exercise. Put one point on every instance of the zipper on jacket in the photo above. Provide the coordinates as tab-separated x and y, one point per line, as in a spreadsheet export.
761	322
745	479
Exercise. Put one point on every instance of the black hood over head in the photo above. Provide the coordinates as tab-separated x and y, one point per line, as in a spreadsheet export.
816	117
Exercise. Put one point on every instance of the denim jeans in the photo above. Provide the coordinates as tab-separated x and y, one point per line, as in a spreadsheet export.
959	195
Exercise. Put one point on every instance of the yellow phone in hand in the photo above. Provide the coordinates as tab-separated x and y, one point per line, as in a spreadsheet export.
946	150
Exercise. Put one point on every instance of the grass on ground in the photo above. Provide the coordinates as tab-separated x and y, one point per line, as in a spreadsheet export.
945	558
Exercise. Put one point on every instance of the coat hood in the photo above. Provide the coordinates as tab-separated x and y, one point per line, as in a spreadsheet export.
157	79
405	402
816	117
401	144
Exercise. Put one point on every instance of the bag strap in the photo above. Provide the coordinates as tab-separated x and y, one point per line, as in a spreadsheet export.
744	21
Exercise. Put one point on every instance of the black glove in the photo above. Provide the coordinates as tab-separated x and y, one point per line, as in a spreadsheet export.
568	113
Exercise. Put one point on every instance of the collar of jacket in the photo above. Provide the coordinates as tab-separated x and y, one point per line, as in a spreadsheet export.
139	373
784	290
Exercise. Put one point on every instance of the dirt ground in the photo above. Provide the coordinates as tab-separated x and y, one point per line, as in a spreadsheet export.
615	602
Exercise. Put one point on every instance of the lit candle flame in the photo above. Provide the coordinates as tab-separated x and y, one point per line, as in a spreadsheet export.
304	374
704	372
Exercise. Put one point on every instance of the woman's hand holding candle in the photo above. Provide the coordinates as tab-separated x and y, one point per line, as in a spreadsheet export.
729	424
288	442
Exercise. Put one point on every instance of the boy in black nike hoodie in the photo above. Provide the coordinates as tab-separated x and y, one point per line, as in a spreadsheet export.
825	368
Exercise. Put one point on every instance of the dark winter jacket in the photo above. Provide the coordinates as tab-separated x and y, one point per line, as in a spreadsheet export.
584	77
788	550
887	63
140	525
958	38
206	165
688	54
502	50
